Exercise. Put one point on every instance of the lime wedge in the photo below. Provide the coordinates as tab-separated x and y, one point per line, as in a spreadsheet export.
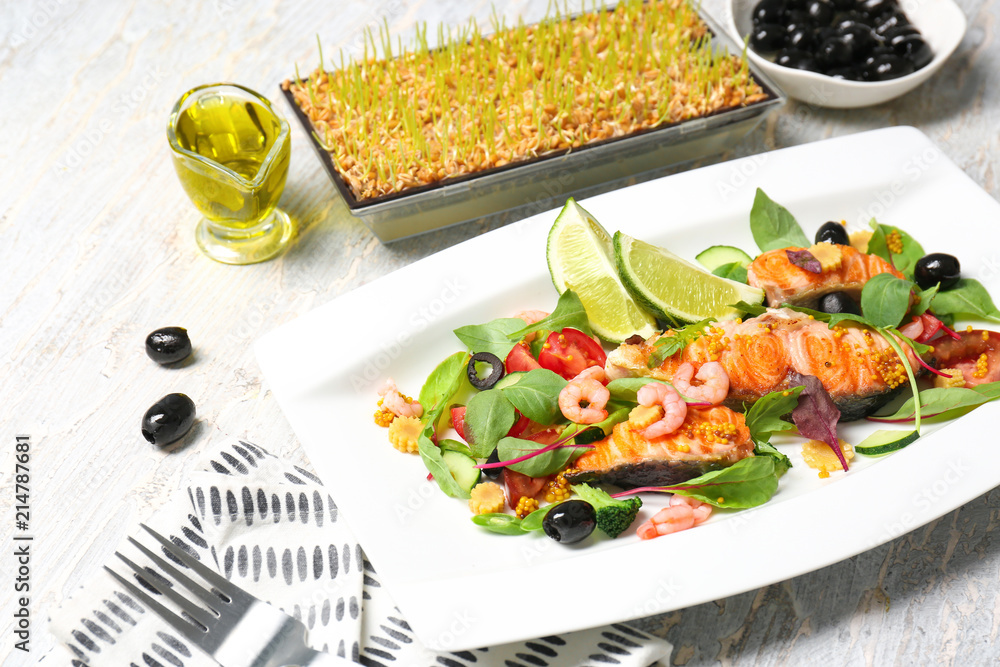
674	289
581	258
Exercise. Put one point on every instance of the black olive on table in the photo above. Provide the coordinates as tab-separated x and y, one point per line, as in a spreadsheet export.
570	521
838	302
496	370
168	345
767	37
937	268
832	232
169	419
797	59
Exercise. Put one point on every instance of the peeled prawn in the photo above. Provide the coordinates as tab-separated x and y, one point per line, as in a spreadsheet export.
714	385
682	513
584	390
394	402
674	408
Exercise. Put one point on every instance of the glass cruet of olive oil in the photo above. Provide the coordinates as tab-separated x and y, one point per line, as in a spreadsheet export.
231	153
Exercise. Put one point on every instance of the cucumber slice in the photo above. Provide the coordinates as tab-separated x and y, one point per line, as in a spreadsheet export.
718	255
463	469
885	441
510	379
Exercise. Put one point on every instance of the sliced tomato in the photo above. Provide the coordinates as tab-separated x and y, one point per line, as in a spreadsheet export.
519	427
519	485
458	420
570	351
520	359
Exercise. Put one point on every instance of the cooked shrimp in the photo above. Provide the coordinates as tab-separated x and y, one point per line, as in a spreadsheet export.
593	373
682	513
674	408
396	403
714	385
530	317
581	390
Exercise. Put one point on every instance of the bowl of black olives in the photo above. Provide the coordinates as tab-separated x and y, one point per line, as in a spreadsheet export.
847	53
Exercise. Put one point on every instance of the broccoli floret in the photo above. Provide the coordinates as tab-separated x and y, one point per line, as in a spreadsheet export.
614	515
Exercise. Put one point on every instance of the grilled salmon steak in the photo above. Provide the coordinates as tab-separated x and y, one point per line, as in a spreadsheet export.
856	365
708	439
787	283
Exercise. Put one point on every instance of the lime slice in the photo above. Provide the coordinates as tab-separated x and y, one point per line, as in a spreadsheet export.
580	258
674	289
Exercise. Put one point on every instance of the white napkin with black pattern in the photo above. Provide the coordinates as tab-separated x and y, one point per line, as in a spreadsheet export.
271	528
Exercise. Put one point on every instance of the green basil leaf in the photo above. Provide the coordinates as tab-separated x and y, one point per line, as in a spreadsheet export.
536	395
765	416
537	466
625	389
749	309
747	483
904	261
449	445
967	297
773	227
569	312
781	462
732	271
941	400
431	456
488	417
504	524
534	520
926	297
885	300
492	337
667	346
444	382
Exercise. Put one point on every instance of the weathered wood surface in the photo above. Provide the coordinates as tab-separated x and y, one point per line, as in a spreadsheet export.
98	250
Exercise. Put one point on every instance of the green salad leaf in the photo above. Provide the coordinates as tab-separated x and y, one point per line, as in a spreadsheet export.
904	261
732	271
885	299
747	483
967	297
536	395
545	463
773	227
492	337
667	346
569	312
488	417
938	401
433	460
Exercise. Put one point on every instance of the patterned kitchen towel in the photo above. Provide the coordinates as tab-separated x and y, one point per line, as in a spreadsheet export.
272	529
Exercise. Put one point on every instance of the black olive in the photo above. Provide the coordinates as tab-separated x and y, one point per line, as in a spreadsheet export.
570	521
876	7
888	67
767	37
839	302
801	39
843	5
798	19
168	419
937	268
914	49
837	51
888	21
821	11
893	35
168	345
769	11
494	473
832	232
797	59
496	370
846	73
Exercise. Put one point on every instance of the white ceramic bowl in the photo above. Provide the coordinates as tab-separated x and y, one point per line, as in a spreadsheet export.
941	22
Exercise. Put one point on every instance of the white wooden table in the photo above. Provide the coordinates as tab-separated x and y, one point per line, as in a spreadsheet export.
98	250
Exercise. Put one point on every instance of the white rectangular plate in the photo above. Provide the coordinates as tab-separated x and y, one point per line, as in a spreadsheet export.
461	587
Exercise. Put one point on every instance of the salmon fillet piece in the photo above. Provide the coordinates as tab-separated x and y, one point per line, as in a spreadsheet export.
786	283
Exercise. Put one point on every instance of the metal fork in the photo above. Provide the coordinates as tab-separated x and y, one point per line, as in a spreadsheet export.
236	629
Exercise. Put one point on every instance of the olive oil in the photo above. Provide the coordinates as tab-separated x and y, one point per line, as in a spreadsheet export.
243	172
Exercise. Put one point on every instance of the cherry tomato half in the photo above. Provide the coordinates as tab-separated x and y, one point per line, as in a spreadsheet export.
519	485
570	351
458	420
520	359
